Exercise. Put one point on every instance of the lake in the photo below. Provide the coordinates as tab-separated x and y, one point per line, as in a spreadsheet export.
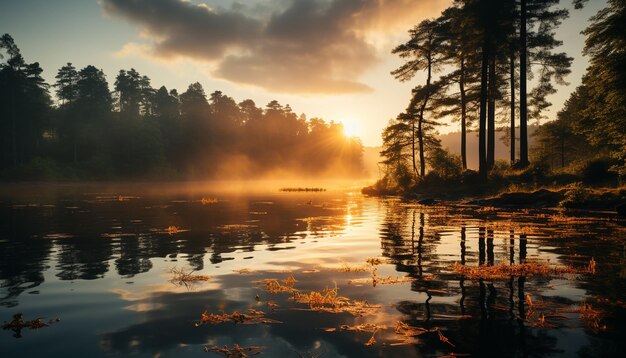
306	274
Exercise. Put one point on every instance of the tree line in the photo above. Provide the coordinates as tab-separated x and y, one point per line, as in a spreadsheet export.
593	119
478	59
137	130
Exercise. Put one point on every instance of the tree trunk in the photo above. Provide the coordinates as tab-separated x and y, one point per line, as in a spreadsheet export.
13	130
512	74
523	110
420	128
463	115
413	145
482	123
420	138
562	152
491	112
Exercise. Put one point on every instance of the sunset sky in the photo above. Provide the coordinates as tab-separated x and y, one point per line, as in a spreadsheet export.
326	58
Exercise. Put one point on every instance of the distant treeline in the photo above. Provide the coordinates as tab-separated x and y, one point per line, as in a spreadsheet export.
138	131
478	58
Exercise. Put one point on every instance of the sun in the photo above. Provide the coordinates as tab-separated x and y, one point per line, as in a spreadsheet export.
350	129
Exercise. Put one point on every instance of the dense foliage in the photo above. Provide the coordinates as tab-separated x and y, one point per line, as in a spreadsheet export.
478	58
592	125
139	131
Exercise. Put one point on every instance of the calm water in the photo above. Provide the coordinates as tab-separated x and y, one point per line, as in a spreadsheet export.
99	260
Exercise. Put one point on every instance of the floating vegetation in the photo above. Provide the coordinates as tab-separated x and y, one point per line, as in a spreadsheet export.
319	299
345	267
329	301
110	198
170	230
591	267
302	189
540	269
236	350
181	277
237	227
275	286
252	317
244	271
591	317
365	327
326	300
402	329
370	263
370	266
539	314
409	332
374	261
18	323
376	280
208	201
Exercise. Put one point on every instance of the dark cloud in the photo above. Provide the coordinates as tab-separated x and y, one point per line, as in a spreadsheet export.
309	46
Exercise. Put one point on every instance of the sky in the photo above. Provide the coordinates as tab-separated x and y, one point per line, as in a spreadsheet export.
325	58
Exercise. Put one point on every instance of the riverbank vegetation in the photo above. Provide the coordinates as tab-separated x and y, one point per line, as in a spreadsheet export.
477	71
140	131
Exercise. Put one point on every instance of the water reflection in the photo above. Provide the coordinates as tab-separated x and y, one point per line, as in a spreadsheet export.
77	251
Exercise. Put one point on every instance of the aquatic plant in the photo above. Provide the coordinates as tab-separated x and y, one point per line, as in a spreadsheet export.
181	277
252	317
409	332
207	201
18	323
236	351
591	317
302	189
275	286
529	268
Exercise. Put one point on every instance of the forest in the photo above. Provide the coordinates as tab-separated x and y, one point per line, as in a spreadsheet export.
136	131
490	66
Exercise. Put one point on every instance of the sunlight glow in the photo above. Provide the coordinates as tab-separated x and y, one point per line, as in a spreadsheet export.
350	128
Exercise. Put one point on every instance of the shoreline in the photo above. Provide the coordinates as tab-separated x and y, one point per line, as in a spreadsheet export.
606	200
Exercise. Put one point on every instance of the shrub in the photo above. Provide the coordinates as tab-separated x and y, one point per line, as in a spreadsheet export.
444	164
403	176
598	171
39	169
576	196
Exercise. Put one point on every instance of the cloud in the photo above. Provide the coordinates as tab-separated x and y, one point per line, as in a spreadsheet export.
298	46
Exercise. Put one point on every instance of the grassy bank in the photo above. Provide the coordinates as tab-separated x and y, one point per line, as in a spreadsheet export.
533	187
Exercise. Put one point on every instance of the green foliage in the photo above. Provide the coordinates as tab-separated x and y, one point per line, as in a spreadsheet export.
142	132
477	42
36	169
24	107
445	165
598	171
500	170
402	176
576	195
603	120
137	147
